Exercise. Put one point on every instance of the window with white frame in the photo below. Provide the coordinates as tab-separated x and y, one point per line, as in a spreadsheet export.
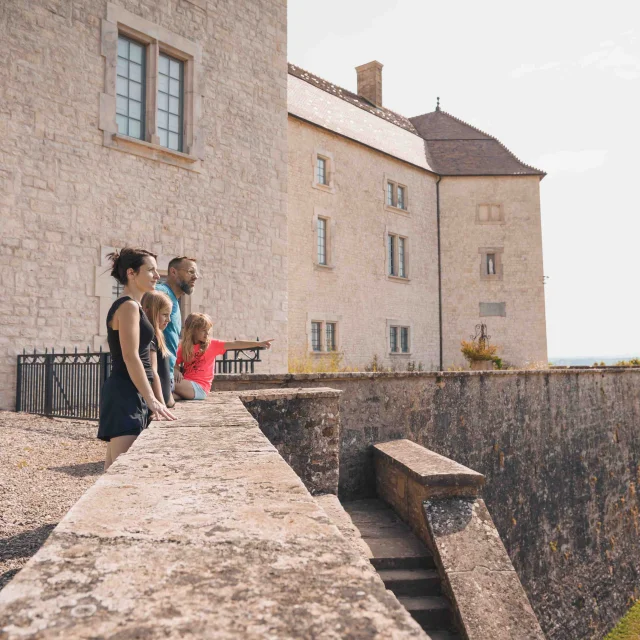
397	256
398	339
322	240
321	170
330	331
324	336
316	336
396	195
151	96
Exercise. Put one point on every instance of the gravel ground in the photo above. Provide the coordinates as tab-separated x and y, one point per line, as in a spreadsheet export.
46	464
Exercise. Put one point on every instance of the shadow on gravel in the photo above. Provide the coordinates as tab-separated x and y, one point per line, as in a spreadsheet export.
25	544
81	470
6	577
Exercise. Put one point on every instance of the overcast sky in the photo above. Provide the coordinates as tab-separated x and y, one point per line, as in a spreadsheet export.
559	84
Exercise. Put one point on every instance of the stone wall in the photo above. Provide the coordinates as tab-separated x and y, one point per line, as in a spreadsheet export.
304	426
354	289
561	454
517	289
65	195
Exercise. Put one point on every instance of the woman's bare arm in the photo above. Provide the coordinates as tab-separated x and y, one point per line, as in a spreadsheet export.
248	344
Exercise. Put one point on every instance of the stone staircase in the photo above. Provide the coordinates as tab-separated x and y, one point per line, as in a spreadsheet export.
405	565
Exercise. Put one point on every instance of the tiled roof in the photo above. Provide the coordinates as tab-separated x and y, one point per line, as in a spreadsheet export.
352	98
330	111
455	148
446	145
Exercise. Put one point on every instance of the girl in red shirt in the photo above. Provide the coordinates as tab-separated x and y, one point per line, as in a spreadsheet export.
197	354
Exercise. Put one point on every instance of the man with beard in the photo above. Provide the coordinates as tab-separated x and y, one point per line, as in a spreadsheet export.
181	278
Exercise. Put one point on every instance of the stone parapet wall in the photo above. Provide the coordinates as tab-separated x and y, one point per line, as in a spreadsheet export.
201	530
560	451
304	426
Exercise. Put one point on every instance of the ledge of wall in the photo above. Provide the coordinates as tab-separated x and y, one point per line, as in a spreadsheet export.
438	499
200	529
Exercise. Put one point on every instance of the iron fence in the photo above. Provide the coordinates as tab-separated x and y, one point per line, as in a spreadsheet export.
68	385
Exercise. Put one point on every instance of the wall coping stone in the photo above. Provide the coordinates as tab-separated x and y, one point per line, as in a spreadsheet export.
288	378
286	394
200	528
428	468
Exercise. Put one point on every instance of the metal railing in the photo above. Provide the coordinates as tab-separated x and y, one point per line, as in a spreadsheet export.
68	385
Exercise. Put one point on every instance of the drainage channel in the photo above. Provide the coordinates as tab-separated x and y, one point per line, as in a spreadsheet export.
405	565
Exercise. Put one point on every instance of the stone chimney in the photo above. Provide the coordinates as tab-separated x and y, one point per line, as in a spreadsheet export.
370	82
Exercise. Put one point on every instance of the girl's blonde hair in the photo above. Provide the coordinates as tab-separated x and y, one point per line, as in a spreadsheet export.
193	323
154	303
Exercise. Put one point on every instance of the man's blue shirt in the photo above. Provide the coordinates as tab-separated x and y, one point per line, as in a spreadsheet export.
172	331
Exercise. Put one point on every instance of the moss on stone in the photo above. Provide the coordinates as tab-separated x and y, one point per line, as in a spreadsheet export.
629	627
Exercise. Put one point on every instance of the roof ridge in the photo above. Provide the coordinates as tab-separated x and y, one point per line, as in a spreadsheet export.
484	133
363	103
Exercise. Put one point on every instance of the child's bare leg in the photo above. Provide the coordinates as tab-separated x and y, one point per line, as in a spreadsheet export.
184	390
119	446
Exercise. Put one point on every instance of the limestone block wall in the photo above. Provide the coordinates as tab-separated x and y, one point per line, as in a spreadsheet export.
65	195
516	240
354	290
560	451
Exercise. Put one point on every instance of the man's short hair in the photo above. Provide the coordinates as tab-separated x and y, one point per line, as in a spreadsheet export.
176	262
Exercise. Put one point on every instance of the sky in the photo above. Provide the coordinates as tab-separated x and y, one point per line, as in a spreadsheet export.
559	84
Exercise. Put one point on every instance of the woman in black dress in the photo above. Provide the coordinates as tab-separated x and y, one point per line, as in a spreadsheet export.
127	397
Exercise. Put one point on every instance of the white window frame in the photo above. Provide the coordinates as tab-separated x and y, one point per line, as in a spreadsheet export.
155	39
323	319
399	325
319	212
395	184
327	156
396	237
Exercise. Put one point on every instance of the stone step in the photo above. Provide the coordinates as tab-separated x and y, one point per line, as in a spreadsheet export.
411	582
430	612
404	562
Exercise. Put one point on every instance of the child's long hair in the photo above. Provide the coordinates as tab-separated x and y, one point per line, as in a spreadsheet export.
154	303
193	323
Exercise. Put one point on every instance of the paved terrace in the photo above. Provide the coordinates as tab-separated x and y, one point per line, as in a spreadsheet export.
201	530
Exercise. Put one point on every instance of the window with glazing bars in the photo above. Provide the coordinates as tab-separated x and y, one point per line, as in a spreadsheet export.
331	336
130	88
393	339
316	336
116	290
404	339
321	170
401	204
391	254
402	268
170	102
322	241
390	187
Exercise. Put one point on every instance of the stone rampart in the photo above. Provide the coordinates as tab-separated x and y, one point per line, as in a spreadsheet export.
560	451
201	530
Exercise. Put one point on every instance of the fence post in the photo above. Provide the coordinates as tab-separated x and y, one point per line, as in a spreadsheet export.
48	384
19	385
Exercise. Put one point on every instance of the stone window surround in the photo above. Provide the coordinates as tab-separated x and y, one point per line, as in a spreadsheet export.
489	204
407	255
394	322
323	319
328	156
157	39
103	290
388	178
319	212
498	251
